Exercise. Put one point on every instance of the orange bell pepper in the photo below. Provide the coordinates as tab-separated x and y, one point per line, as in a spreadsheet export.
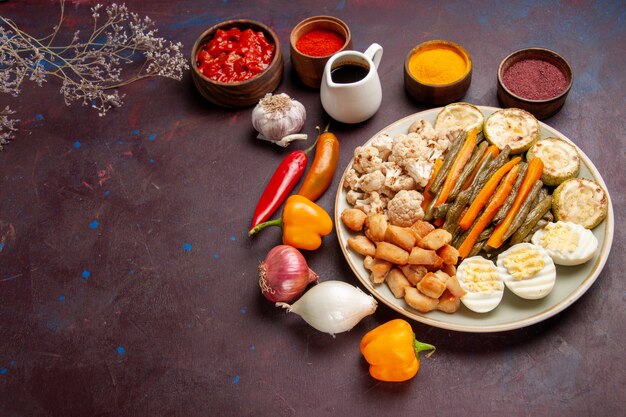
392	351
303	223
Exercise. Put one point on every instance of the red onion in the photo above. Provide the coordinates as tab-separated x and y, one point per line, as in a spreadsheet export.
284	274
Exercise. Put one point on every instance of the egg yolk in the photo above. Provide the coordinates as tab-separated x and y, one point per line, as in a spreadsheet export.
559	237
523	263
482	277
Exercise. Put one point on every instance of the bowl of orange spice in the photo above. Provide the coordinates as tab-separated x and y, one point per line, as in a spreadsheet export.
437	72
312	42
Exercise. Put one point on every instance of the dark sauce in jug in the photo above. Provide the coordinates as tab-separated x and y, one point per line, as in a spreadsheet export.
348	73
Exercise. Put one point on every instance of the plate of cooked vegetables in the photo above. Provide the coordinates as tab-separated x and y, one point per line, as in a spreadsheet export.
474	218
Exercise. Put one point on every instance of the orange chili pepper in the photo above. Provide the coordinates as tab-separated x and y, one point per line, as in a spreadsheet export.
392	351
323	167
303	223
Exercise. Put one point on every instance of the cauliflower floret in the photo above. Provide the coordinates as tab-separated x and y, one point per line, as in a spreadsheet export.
383	143
404	182
366	159
351	181
424	130
396	179
419	170
387	193
437	149
372	181
405	208
371	204
352	196
410	147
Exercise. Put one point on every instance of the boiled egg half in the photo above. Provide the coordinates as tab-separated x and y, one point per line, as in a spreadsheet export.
528	270
567	243
482	280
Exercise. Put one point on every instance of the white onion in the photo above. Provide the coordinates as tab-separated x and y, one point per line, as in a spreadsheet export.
333	306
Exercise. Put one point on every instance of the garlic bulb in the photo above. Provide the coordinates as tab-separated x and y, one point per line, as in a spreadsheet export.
278	119
333	306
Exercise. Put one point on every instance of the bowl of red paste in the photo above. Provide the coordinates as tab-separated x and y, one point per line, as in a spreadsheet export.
312	42
236	62
536	80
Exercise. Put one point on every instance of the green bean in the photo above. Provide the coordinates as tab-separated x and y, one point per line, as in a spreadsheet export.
540	225
524	210
459	238
430	210
467	169
485	234
451	154
548	216
478	246
455	236
483	177
523	167
491	253
542	194
454	212
533	218
441	211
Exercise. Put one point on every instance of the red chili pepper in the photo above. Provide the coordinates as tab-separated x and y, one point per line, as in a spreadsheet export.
282	182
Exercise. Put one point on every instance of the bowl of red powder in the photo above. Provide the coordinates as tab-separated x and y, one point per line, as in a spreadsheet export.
536	80
236	62
312	42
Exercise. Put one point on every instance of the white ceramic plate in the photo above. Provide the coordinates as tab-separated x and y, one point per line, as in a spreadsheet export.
513	312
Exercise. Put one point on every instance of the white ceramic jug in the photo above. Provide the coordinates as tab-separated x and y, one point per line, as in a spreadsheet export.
353	102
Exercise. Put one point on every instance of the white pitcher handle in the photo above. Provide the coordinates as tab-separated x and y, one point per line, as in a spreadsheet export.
375	53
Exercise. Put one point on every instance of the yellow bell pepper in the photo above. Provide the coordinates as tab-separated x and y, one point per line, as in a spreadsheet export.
392	351
303	223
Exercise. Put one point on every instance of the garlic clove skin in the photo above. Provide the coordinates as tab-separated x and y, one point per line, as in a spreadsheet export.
333	306
277	117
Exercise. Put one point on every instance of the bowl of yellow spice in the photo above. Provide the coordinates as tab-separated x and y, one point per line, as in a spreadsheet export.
437	72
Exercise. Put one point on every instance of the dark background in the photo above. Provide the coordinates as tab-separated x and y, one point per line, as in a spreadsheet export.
154	308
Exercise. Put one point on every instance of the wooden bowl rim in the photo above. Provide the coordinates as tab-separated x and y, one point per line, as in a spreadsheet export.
547	53
235	22
316	19
454	45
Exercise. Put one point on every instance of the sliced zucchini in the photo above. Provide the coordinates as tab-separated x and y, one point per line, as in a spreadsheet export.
581	201
459	115
514	127
560	160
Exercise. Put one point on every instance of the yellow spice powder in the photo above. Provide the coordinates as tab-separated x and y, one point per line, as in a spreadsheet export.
438	65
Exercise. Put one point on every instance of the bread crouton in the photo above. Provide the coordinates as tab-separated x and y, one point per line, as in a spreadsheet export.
353	219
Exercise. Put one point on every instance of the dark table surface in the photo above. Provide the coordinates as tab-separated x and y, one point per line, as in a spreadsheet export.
128	286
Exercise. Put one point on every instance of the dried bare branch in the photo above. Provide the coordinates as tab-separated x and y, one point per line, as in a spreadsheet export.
92	67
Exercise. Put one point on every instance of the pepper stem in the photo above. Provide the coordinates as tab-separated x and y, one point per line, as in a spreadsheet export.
419	346
310	148
319	132
256	229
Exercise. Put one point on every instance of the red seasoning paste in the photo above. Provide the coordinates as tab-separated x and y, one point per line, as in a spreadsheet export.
534	79
320	43
234	55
